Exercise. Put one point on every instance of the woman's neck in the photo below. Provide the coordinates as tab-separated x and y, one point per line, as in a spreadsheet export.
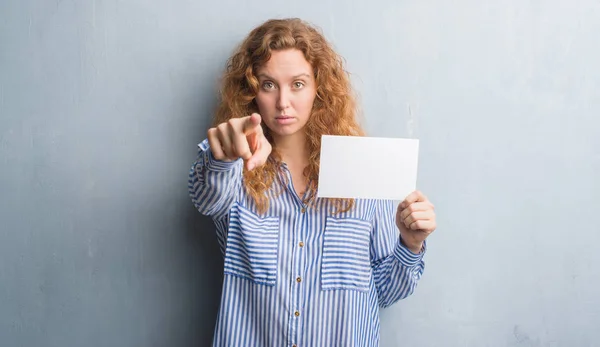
293	150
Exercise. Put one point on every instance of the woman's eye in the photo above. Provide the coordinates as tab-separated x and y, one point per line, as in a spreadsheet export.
268	85
298	84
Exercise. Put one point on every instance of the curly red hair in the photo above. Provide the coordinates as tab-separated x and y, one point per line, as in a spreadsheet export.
334	110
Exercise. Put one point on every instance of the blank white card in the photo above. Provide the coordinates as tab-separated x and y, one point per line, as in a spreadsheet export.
367	167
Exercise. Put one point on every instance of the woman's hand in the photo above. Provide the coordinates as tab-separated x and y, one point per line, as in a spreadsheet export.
415	219
240	138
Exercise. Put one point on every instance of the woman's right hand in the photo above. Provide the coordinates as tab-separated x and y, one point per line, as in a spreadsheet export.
240	138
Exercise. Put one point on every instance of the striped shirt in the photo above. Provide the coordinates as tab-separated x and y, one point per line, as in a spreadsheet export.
300	275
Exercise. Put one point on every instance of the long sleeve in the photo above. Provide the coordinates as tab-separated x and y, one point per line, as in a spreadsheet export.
396	269
213	184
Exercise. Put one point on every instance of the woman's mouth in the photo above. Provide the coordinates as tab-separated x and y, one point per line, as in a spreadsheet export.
284	119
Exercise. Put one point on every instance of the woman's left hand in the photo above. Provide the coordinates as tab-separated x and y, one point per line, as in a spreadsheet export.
415	218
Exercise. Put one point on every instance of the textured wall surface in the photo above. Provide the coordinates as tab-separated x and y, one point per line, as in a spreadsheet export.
102	104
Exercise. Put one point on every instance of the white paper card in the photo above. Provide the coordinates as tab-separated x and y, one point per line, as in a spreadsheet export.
367	167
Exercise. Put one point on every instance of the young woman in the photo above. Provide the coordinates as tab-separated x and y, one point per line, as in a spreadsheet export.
298	270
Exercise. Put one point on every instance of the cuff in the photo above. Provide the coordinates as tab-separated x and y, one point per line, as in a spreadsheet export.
406	257
209	160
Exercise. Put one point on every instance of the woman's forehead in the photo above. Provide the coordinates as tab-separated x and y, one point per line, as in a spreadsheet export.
286	64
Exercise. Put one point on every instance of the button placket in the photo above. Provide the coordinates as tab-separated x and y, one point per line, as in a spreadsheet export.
299	260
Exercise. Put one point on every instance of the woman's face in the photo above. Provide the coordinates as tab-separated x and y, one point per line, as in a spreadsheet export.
287	90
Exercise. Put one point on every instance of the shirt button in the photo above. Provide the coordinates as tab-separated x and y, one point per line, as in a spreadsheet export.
298	279
303	210
301	244
294	346
297	314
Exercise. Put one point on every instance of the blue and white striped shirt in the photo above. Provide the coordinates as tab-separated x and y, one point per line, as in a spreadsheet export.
297	275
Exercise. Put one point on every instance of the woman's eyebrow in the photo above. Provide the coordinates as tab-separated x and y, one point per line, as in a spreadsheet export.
264	75
301	75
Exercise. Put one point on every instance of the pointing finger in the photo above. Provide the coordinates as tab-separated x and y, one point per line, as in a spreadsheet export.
251	124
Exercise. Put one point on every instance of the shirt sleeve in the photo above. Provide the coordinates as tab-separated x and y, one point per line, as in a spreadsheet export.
213	184
396	269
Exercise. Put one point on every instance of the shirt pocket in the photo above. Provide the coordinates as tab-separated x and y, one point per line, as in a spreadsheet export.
346	261
252	246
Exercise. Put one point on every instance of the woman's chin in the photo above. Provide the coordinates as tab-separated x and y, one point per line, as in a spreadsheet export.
284	131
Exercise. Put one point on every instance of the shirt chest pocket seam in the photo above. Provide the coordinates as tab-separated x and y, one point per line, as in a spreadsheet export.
345	263
252	246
